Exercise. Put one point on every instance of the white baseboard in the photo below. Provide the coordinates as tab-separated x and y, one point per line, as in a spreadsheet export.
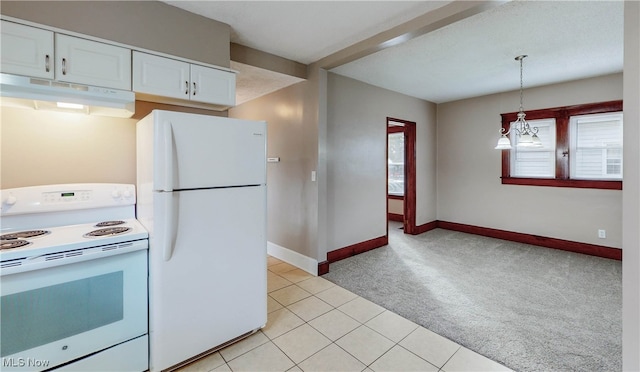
294	258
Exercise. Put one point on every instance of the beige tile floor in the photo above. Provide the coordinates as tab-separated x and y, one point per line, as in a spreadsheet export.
314	325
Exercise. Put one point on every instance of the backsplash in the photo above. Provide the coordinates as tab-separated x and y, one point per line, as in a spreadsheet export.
39	147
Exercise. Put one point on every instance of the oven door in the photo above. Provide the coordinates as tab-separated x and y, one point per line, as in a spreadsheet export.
55	315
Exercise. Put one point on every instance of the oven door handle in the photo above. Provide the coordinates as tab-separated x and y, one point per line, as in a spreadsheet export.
170	225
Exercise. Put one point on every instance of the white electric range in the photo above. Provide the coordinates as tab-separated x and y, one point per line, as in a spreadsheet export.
73	279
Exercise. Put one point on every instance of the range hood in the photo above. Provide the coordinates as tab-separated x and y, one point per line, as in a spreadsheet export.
43	94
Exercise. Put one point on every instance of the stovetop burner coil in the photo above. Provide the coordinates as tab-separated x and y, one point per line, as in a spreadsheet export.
12	244
24	234
107	232
109	223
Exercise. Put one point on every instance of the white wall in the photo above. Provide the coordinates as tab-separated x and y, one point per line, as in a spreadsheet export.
356	159
631	191
469	170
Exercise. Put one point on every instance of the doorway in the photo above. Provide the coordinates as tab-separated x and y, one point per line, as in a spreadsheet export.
401	173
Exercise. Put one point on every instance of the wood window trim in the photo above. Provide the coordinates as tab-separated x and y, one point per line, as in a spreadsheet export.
561	115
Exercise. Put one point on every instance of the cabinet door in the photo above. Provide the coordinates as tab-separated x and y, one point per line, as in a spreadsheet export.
160	76
26	50
211	85
89	62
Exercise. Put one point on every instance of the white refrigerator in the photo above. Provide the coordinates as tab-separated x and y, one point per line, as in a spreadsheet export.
201	184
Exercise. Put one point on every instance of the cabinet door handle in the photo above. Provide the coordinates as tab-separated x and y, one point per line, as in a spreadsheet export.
46	63
194	88
64	66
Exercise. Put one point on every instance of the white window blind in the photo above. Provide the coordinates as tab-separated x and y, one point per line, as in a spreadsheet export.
596	146
536	162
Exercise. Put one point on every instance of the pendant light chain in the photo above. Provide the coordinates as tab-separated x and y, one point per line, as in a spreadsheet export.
521	82
526	136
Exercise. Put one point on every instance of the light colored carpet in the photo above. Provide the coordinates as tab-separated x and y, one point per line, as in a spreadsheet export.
527	307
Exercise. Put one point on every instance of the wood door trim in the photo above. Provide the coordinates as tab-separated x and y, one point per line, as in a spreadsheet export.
409	129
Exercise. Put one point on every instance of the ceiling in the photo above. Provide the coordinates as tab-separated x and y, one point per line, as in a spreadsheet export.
564	40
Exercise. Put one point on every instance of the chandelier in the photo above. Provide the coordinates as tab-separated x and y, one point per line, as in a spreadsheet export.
526	135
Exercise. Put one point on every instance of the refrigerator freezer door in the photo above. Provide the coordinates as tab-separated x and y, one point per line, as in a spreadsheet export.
213	287
199	151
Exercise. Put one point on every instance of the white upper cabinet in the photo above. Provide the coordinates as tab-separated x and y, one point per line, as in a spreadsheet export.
160	76
37	52
212	85
26	50
89	62
165	77
30	51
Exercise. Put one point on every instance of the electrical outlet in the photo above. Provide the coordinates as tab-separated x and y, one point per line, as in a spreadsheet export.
602	234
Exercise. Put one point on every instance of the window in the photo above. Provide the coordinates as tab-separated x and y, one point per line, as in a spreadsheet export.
596	142
582	147
536	162
395	162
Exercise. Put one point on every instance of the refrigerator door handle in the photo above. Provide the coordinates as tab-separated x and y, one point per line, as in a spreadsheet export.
170	227
168	157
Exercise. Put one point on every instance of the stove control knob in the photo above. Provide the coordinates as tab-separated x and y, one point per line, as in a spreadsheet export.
10	200
127	194
116	194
